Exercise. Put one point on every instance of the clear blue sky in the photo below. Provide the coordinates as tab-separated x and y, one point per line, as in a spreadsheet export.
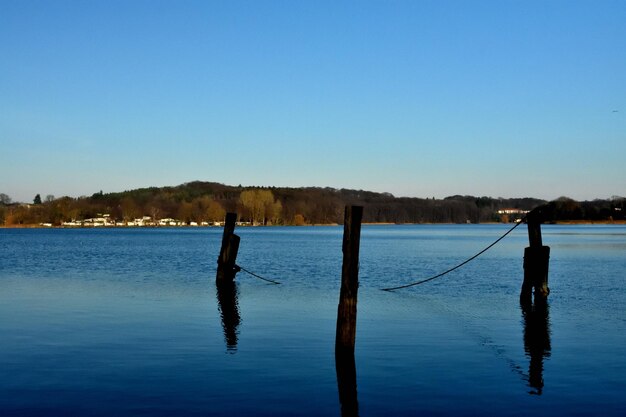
417	98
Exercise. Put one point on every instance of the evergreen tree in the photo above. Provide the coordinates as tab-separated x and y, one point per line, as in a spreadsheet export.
37	199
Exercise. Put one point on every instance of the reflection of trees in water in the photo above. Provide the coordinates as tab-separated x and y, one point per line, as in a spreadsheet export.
229	311
346	382
536	342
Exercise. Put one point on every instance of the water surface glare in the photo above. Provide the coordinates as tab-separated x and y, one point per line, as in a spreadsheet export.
125	322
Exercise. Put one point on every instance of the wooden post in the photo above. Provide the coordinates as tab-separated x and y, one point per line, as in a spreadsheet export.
229	229
534	231
227	261
536	262
346	311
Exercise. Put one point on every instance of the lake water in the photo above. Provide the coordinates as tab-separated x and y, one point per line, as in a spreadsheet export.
104	322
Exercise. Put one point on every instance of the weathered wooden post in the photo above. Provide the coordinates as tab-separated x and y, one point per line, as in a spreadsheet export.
346	312
536	262
226	262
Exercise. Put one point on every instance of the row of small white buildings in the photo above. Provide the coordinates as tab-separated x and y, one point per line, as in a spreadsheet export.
105	220
517	214
512	211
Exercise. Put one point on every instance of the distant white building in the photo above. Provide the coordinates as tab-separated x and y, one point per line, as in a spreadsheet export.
141	222
170	222
512	211
98	222
73	223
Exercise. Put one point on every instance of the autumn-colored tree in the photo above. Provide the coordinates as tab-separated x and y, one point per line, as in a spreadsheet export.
9	217
185	211
215	212
247	199
258	203
201	206
28	214
67	208
274	212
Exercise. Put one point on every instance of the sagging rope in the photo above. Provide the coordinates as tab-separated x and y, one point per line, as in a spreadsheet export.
459	265
257	276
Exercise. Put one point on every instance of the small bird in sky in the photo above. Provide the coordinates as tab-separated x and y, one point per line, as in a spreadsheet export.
615	111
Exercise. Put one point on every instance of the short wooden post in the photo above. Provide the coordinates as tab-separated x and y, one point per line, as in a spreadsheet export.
346	312
227	261
536	262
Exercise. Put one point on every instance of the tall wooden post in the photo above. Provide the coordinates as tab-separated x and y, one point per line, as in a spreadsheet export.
227	261
536	262
346	312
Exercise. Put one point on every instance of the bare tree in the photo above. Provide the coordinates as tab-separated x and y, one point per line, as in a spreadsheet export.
215	212
259	203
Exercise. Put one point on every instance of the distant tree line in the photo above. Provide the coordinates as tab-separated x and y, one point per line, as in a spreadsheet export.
208	202
566	209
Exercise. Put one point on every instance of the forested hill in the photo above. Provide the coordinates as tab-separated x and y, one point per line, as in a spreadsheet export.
207	202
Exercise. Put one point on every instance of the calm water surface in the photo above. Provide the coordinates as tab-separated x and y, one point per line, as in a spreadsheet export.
130	322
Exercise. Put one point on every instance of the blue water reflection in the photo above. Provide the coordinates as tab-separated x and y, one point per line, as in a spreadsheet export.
130	322
227	300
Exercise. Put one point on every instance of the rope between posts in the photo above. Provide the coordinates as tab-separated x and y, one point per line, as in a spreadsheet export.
457	266
257	276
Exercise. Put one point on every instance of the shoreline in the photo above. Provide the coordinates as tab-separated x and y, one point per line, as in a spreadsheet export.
563	223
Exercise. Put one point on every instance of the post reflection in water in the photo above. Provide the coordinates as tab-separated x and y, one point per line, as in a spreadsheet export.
536	342
346	382
229	311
